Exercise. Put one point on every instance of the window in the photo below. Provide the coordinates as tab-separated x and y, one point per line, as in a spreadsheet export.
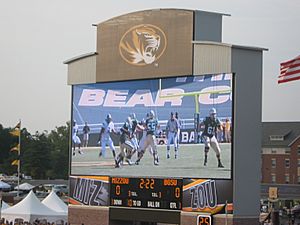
273	178
273	162
273	151
299	163
287	178
287	151
298	149
298	179
287	163
276	138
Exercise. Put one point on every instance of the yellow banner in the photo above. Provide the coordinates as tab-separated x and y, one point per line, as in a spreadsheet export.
15	162
15	133
16	148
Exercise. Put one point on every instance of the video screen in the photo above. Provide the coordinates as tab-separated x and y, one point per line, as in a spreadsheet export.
177	127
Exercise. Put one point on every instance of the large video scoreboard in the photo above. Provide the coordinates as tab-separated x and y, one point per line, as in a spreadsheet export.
146	193
188	177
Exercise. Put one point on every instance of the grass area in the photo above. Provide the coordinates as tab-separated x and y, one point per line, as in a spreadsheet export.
189	164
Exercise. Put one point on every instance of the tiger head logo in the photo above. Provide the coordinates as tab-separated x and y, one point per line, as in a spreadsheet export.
142	45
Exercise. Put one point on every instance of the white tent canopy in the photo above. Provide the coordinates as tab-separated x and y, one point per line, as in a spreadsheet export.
4	206
4	185
24	187
30	209
53	202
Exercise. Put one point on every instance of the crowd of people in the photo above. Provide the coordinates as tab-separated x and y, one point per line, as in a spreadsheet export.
224	132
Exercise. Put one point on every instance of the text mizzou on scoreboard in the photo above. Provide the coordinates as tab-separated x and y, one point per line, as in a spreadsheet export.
153	193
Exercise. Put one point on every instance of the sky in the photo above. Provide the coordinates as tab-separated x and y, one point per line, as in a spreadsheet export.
36	36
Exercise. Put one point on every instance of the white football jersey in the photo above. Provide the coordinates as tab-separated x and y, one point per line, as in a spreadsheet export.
108	128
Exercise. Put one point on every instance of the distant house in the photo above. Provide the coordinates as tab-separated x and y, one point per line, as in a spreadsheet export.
281	153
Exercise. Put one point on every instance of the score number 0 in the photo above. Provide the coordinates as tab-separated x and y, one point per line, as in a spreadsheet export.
204	220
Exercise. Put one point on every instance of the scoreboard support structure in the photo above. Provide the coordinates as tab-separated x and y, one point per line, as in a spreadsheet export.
117	214
197	50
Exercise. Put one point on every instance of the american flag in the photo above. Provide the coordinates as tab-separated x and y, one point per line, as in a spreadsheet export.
289	70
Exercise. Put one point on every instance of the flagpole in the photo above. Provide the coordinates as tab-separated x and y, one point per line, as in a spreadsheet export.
19	153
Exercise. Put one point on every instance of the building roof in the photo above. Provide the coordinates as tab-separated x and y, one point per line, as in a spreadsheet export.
230	45
80	57
53	202
160	9
289	131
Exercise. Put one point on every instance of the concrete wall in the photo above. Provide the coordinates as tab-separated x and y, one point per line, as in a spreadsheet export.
211	58
82	71
247	66
88	215
208	26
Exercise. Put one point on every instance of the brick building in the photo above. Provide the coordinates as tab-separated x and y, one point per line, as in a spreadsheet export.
281	153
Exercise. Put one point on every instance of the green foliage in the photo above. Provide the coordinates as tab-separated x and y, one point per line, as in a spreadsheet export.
7	141
59	140
43	155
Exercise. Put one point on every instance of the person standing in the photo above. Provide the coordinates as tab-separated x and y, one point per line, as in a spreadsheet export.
179	128
125	144
211	124
86	132
75	138
151	126
140	150
219	133
108	127
227	129
172	130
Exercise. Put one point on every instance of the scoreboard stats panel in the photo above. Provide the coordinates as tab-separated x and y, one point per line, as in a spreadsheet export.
148	193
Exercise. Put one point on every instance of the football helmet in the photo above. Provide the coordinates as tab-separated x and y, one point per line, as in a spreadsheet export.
133	116
212	112
151	114
129	120
108	118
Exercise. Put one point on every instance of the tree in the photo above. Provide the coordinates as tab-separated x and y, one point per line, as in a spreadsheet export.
43	155
59	139
36	160
7	141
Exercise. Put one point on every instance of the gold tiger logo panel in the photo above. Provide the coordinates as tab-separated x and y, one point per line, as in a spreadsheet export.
143	44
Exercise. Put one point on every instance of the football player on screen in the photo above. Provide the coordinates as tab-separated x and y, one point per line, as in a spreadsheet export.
211	124
108	127
133	128
180	126
125	143
151	125
172	131
140	150
75	138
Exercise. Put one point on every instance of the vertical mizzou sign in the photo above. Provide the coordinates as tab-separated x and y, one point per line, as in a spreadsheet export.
145	44
89	190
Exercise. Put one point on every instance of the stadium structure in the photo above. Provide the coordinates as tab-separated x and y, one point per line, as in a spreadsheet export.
147	65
